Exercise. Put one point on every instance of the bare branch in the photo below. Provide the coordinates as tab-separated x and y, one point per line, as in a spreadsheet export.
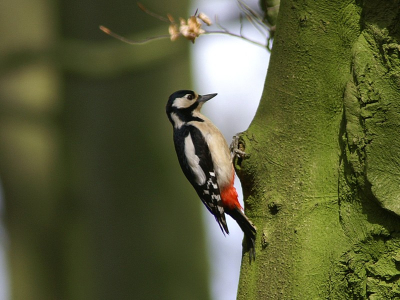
236	35
241	24
257	26
248	11
219	25
191	28
253	16
128	41
141	6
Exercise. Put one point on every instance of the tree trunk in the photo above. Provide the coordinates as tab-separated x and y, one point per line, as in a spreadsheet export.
322	177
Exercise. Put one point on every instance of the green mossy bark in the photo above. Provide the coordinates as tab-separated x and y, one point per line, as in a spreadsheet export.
321	179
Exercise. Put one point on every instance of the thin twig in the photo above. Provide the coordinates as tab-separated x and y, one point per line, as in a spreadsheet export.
253	16
236	35
257	26
128	41
219	25
185	29
241	24
141	6
249	10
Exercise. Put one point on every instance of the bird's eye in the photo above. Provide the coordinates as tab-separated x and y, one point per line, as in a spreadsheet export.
190	97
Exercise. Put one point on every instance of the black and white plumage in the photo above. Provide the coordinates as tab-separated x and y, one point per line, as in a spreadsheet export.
205	159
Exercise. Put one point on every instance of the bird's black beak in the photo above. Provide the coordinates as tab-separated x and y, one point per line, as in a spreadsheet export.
204	98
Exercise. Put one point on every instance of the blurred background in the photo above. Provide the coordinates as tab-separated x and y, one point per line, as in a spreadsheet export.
93	202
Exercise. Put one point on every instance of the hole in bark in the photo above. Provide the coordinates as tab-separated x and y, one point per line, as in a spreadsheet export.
274	208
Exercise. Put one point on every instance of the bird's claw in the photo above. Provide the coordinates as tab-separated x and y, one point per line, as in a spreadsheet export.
237	148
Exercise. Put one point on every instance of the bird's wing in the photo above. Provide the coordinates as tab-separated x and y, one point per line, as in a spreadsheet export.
199	163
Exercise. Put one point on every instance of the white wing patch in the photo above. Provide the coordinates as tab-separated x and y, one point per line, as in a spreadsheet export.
193	161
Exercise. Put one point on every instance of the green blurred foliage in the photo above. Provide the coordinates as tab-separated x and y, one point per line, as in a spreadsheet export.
96	206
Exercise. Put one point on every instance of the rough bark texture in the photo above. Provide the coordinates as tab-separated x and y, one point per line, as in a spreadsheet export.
322	177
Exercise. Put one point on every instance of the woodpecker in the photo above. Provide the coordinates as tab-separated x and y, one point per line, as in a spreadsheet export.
206	161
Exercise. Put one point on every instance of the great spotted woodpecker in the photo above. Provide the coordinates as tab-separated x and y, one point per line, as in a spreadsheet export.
206	161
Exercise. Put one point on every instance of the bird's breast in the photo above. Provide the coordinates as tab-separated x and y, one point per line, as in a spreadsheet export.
219	150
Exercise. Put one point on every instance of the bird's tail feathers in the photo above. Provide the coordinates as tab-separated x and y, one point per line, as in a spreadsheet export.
218	211
248	229
222	223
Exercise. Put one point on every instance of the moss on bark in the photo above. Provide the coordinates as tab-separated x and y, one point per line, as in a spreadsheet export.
322	169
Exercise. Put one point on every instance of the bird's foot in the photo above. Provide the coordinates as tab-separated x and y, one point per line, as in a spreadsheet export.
237	147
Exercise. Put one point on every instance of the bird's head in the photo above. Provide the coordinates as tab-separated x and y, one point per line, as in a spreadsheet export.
184	103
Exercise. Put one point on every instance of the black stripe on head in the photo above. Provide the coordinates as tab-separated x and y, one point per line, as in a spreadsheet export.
182	103
182	97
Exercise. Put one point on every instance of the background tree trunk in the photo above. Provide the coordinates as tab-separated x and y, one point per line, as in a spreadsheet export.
321	181
90	183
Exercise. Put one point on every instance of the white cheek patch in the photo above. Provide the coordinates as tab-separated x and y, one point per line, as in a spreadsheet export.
177	122
193	161
183	102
